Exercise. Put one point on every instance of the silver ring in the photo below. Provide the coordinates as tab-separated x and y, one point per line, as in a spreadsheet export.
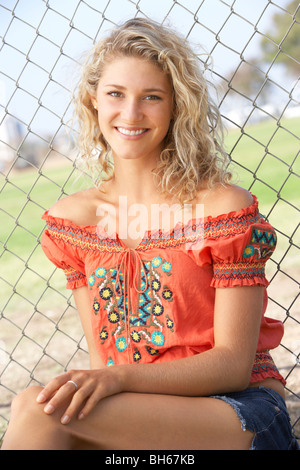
74	383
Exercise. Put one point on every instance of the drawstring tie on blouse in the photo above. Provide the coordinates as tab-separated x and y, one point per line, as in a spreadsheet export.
124	264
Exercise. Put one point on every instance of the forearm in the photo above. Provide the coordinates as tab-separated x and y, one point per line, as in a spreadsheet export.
214	371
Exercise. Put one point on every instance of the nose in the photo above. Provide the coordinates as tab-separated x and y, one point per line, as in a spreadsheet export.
132	111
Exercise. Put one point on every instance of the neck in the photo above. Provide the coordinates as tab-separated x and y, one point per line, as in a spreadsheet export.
134	180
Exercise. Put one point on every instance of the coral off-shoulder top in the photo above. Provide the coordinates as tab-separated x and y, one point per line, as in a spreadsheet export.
156	302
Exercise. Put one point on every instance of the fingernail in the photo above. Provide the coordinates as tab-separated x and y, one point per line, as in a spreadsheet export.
40	398
65	419
49	409
81	416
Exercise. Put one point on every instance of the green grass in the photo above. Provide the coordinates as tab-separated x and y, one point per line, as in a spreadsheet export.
263	155
265	158
24	197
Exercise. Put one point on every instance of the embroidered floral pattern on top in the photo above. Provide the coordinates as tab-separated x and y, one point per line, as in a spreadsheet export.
263	243
161	307
147	323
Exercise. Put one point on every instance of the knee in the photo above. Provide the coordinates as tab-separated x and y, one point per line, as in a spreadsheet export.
25	400
31	428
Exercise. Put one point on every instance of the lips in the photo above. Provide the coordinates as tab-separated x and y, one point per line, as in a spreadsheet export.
131	132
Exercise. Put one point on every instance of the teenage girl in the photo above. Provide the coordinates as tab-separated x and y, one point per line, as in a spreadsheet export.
165	258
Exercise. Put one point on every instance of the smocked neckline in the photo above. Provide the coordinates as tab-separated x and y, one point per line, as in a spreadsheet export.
207	220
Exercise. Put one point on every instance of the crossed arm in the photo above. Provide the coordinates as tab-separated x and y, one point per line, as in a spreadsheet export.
224	368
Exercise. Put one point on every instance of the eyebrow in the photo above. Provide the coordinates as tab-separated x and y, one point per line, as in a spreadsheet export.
146	90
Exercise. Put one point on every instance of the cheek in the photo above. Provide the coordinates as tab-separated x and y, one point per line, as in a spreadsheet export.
104	118
165	124
107	113
161	117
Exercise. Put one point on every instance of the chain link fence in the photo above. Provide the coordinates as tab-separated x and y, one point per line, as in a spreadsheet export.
259	98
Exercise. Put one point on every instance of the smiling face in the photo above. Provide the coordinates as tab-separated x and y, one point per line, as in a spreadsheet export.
134	102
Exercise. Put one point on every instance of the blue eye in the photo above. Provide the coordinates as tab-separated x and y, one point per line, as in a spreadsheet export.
152	98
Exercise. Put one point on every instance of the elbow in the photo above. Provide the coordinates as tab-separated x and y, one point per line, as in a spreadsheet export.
242	377
238	372
242	383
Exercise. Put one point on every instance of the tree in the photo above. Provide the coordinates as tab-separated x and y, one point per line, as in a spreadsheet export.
248	79
283	38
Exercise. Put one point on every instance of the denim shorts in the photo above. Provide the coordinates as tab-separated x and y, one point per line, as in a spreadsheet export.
263	411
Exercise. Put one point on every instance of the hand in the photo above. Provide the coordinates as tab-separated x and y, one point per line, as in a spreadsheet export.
92	386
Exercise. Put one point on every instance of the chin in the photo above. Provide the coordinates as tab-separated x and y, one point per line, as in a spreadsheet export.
129	156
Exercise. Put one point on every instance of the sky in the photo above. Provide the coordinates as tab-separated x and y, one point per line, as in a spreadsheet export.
41	45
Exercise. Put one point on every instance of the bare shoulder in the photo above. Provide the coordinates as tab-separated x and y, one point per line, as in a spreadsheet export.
232	198
226	198
80	207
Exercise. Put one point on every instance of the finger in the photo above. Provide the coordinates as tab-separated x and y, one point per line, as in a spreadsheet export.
77	402
90	404
64	393
93	399
51	388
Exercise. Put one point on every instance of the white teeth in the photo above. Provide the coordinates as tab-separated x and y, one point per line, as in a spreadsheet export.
128	132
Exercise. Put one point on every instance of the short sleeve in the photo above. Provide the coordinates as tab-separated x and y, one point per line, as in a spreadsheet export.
240	252
61	252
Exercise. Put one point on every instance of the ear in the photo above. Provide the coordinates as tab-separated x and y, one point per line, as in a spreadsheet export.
94	102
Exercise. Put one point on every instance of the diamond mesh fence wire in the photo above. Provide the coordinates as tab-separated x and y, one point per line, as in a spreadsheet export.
247	49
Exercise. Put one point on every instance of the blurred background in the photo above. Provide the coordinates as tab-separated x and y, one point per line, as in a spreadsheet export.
249	50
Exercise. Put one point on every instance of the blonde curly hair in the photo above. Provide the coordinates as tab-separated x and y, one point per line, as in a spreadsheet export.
193	150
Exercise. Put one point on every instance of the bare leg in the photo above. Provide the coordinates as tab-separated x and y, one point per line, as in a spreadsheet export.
28	428
130	421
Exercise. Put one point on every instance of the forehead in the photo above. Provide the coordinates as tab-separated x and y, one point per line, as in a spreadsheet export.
133	70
